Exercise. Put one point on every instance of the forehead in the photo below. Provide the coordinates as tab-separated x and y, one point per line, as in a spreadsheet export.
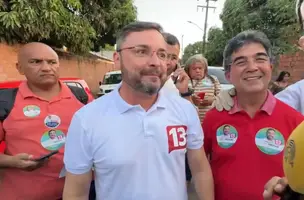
249	50
151	38
197	63
173	49
40	52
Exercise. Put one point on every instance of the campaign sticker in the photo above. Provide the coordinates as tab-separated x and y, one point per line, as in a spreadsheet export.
226	136
31	111
53	139
52	121
270	141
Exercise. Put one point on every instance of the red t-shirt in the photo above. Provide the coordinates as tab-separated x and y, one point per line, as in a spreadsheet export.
37	127
246	152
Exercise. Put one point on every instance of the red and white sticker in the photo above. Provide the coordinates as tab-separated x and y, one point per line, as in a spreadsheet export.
177	137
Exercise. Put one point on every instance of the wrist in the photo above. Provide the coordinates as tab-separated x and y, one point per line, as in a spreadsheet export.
7	161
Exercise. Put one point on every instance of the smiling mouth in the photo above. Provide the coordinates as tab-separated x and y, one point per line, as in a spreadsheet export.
252	78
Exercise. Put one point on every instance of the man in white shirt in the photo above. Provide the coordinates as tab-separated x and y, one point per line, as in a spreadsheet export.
174	71
136	136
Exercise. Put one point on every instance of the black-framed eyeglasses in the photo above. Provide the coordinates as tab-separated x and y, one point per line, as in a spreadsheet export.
146	52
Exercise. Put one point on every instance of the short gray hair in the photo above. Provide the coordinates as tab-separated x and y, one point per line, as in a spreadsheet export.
241	39
194	59
138	26
298	12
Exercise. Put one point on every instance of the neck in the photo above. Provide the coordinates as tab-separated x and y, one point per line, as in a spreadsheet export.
134	97
45	92
251	103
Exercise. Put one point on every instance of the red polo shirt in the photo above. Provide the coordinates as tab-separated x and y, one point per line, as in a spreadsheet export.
246	152
37	126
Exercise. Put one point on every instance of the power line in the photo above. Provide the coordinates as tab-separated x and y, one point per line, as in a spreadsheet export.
207	7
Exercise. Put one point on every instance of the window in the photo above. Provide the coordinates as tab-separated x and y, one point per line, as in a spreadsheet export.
112	79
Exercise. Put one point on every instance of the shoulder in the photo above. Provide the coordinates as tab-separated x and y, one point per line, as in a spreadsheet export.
213	77
94	108
282	107
297	86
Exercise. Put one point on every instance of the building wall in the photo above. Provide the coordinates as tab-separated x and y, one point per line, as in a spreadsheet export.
294	64
92	70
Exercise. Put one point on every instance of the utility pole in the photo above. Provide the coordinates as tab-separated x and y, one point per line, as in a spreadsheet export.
206	21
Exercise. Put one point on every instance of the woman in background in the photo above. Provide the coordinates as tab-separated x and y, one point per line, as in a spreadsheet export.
281	83
204	86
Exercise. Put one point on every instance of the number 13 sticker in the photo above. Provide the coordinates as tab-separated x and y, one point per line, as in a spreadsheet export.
177	137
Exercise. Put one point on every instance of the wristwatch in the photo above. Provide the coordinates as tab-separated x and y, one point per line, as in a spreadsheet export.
187	94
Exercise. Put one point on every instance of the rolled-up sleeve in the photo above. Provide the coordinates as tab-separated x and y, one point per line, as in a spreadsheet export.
292	96
78	157
195	135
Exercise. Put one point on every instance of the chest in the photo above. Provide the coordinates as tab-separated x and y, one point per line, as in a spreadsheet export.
139	140
39	124
252	140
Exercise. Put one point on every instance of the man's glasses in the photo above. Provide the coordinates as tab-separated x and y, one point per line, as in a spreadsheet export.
146	52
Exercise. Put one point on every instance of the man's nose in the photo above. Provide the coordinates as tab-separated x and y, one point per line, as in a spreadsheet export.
252	65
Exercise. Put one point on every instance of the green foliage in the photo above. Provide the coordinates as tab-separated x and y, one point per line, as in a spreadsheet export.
191	50
76	24
107	17
276	18
216	44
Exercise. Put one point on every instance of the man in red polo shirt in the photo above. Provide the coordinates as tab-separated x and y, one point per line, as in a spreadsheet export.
36	126
246	143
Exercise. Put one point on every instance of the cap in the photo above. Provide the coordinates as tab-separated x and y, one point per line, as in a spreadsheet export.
293	161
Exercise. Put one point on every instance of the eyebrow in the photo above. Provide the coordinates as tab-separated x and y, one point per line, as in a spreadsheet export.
41	59
146	46
256	55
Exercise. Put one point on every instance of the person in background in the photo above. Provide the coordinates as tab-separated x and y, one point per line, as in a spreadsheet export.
174	71
136	136
204	86
281	82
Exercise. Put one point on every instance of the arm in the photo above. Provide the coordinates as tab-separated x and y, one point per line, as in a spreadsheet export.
202	175
78	161
197	159
292	95
5	160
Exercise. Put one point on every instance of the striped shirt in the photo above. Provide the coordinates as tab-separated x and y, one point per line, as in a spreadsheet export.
210	86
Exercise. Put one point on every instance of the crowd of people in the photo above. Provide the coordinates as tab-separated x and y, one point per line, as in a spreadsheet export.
163	127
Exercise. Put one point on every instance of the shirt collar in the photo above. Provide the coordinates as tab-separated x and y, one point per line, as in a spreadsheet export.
123	106
268	105
26	92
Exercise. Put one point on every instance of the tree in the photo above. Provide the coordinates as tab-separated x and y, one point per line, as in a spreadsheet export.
216	44
107	17
276	18
75	24
192	49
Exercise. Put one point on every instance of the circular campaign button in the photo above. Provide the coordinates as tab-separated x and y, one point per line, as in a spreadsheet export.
53	139
31	111
226	136
52	121
270	141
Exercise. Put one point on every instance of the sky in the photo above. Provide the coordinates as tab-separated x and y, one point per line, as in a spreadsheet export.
174	15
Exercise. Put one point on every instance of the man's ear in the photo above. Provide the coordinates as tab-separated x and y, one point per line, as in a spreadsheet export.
116	59
19	68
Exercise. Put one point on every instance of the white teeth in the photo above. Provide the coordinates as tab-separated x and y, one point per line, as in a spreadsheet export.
252	78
